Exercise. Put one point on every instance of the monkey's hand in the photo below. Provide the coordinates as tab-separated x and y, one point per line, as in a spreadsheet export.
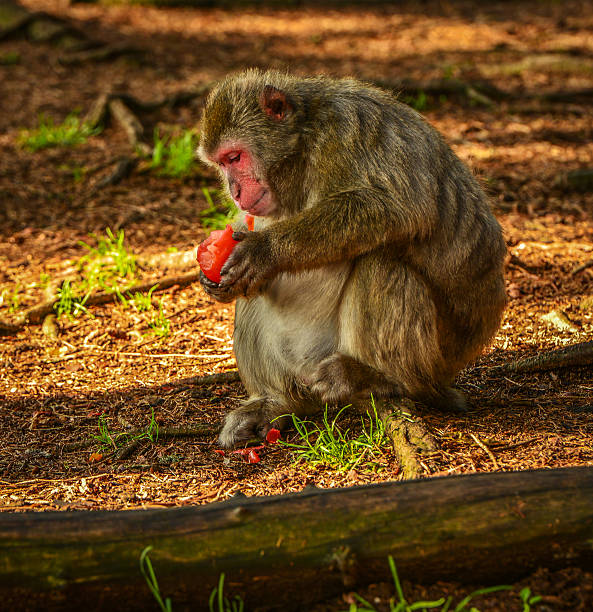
214	290
249	266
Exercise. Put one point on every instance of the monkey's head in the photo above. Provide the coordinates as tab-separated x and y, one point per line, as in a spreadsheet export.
251	129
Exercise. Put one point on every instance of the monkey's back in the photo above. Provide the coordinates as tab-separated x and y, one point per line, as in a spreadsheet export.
453	241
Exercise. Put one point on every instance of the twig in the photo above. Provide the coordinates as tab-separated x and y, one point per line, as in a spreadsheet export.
486	450
100	54
123	452
519	263
580	268
161	355
210	379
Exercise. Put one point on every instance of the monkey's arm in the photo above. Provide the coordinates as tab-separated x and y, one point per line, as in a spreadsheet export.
338	228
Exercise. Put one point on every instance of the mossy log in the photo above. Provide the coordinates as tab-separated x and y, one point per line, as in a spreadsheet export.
284	552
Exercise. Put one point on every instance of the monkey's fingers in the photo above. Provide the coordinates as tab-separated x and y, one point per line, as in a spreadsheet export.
237	271
214	290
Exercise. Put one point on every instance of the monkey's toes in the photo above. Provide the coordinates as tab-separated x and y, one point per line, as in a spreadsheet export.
254	420
448	400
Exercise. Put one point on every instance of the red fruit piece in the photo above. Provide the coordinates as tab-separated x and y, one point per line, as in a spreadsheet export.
252	457
273	435
250	220
214	251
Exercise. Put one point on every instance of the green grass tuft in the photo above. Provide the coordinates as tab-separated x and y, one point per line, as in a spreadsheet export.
174	156
217	216
336	447
217	602
400	604
160	325
10	58
150	577
69	133
108	266
107	439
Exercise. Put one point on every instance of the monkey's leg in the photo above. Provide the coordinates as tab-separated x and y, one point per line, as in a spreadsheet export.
253	419
390	324
340	379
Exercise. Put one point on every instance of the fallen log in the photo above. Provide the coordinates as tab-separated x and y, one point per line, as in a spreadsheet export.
284	552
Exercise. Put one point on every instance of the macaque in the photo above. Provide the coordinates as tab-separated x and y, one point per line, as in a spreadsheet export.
376	266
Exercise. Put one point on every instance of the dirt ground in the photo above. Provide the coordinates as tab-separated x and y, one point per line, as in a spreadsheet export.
55	389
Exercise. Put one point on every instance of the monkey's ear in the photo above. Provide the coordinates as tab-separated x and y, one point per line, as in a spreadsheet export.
275	103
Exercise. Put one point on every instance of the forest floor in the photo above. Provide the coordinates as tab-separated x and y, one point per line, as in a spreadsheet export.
117	368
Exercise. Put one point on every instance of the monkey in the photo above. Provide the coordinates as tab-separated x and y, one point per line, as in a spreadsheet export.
376	266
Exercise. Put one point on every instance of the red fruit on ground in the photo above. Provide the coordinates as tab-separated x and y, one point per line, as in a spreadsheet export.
253	457
273	435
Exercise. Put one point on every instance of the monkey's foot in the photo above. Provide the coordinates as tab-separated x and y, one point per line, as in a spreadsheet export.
252	420
448	400
409	435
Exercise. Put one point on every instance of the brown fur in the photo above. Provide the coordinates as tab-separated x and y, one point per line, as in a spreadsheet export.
379	266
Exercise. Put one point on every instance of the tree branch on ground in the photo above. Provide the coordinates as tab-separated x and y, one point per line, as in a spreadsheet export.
482	92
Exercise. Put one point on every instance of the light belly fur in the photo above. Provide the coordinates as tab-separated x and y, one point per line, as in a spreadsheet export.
290	328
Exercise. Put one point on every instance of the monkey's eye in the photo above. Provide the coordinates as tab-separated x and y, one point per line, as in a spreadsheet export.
233	157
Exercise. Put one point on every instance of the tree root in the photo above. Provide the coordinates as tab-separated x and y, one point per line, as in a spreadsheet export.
576	180
122	170
130	123
482	92
575	355
101	53
10	329
408	434
40	27
123	108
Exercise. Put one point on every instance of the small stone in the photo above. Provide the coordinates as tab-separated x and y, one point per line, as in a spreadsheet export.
559	319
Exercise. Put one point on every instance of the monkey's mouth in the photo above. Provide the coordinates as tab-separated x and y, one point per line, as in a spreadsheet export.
260	206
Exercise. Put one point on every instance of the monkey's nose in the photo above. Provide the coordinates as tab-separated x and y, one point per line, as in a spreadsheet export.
236	191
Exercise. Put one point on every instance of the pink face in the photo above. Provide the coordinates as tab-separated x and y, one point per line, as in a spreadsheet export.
247	190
